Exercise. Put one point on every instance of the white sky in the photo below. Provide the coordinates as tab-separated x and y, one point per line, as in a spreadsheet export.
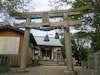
1	18
44	5
40	5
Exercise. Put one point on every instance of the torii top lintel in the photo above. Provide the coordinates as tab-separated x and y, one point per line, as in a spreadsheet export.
56	13
46	15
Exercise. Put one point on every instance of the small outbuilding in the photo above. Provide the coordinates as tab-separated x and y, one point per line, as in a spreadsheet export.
11	42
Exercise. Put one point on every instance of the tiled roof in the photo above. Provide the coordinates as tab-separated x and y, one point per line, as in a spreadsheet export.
52	41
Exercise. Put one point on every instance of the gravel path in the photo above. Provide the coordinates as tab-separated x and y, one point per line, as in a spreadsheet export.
46	70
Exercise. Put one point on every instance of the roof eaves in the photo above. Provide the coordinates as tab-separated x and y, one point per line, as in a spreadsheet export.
11	27
21	31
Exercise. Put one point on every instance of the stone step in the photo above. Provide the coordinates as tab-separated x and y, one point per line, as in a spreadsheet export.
48	63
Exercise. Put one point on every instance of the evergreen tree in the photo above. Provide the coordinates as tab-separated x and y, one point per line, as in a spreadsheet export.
92	18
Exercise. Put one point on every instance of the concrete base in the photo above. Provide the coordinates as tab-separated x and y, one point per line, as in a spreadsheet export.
22	71
70	73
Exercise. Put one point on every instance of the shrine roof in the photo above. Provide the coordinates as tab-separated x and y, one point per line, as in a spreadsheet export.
52	41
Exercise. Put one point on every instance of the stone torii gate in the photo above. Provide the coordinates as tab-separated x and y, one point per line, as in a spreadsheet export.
45	23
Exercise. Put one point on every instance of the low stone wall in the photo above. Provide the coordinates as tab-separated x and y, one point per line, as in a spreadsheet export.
87	72
91	62
93	72
94	61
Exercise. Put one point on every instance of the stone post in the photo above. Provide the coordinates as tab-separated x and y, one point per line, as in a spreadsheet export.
52	54
39	55
25	46
45	19
70	70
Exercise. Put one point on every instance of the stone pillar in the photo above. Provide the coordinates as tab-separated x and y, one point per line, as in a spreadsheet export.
25	46
33	54
52	54
25	49
70	70
39	54
68	50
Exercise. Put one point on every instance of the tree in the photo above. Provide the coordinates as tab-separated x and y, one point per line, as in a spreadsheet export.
92	18
79	50
12	7
62	40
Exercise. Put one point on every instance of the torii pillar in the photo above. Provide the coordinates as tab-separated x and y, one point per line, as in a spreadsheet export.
25	46
70	69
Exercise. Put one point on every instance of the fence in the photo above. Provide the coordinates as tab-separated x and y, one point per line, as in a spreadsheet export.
15	60
4	62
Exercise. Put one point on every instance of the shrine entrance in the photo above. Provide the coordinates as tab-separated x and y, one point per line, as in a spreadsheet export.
46	54
65	24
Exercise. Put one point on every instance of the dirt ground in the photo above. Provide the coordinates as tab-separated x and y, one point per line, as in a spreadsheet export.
45	70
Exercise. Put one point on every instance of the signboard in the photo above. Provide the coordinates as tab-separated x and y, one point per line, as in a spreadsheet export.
9	45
